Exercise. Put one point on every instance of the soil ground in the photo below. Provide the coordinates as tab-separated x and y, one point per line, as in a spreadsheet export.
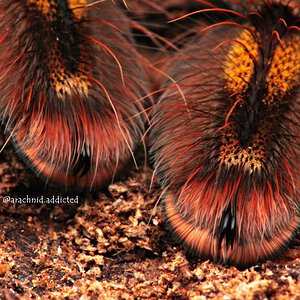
113	244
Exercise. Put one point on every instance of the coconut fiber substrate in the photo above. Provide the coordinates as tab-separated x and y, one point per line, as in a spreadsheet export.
113	244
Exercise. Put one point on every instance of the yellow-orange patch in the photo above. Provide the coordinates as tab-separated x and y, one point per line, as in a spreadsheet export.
48	8
250	158
285	69
239	67
45	7
78	8
63	81
282	76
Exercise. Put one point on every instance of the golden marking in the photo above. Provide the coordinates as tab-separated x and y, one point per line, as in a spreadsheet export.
78	8
283	76
285	70
251	158
46	7
239	66
63	81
